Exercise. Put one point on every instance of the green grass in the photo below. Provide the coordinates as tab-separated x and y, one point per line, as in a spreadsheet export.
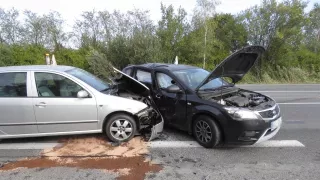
278	75
282	75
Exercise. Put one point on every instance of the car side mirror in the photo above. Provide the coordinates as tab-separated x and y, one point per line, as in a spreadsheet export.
82	94
173	89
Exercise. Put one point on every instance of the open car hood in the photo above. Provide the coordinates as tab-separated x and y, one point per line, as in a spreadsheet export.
132	84
236	65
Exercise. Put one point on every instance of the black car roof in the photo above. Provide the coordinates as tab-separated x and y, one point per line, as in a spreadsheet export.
170	67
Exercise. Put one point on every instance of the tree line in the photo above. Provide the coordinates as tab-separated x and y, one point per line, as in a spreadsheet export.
290	35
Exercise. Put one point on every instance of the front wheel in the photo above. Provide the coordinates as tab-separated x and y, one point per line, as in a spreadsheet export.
120	128
206	131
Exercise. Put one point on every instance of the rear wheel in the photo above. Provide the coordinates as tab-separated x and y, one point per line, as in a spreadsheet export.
120	128
206	131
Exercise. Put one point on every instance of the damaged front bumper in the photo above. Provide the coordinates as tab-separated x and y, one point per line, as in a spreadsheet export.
150	123
156	130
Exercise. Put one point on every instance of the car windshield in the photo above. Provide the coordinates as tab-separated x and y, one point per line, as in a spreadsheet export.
90	79
193	78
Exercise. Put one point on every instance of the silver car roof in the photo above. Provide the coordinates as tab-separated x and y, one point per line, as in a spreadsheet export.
36	67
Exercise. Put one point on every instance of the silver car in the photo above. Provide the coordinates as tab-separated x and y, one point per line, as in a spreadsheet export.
62	100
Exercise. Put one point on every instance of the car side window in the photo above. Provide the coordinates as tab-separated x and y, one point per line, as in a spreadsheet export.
54	85
143	76
13	84
128	71
164	80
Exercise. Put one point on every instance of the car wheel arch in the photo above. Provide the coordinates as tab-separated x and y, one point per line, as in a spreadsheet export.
120	112
213	117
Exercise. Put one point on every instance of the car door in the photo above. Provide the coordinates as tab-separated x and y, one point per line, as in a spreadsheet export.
16	110
171	105
57	107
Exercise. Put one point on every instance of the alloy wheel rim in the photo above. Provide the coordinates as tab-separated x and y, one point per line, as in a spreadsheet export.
121	129
203	131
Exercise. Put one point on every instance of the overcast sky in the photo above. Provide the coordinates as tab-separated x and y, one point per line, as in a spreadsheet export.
71	9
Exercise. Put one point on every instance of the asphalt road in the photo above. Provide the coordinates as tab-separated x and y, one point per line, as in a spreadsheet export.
300	106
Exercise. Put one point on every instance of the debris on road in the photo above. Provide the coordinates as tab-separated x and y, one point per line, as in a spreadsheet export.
115	143
94	153
96	147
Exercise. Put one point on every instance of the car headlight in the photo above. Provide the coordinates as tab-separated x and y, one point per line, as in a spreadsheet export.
241	113
143	112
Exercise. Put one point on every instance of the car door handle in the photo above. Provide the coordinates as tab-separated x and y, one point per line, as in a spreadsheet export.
42	104
158	96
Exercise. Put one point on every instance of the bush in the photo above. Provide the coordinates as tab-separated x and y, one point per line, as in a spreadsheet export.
72	57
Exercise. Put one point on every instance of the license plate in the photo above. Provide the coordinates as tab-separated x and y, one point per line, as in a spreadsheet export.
275	124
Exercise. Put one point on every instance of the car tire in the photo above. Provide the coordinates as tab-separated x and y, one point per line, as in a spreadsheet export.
120	128
205	125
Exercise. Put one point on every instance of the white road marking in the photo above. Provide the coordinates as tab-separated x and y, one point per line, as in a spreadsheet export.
194	144
288	98
290	91
156	144
301	103
278	143
294	121
278	84
27	145
173	144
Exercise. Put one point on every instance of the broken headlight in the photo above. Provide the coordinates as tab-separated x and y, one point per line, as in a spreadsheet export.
142	113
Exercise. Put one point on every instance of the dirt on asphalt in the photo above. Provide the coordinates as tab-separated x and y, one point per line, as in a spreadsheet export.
96	147
92	152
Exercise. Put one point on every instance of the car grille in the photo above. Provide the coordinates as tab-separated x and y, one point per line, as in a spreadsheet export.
270	113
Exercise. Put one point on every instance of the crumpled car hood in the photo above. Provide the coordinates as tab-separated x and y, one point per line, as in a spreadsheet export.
139	88
132	84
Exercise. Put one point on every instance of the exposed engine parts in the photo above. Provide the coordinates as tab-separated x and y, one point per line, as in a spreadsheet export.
237	100
245	99
240	98
146	118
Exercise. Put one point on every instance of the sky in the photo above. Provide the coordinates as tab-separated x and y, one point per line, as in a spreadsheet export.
71	9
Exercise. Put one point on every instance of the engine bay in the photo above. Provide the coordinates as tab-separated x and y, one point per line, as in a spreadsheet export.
240	98
147	119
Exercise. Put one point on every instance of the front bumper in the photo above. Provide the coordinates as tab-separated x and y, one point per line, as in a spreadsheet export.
156	130
151	123
269	133
250	131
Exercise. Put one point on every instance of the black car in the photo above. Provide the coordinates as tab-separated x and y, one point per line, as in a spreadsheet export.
207	106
